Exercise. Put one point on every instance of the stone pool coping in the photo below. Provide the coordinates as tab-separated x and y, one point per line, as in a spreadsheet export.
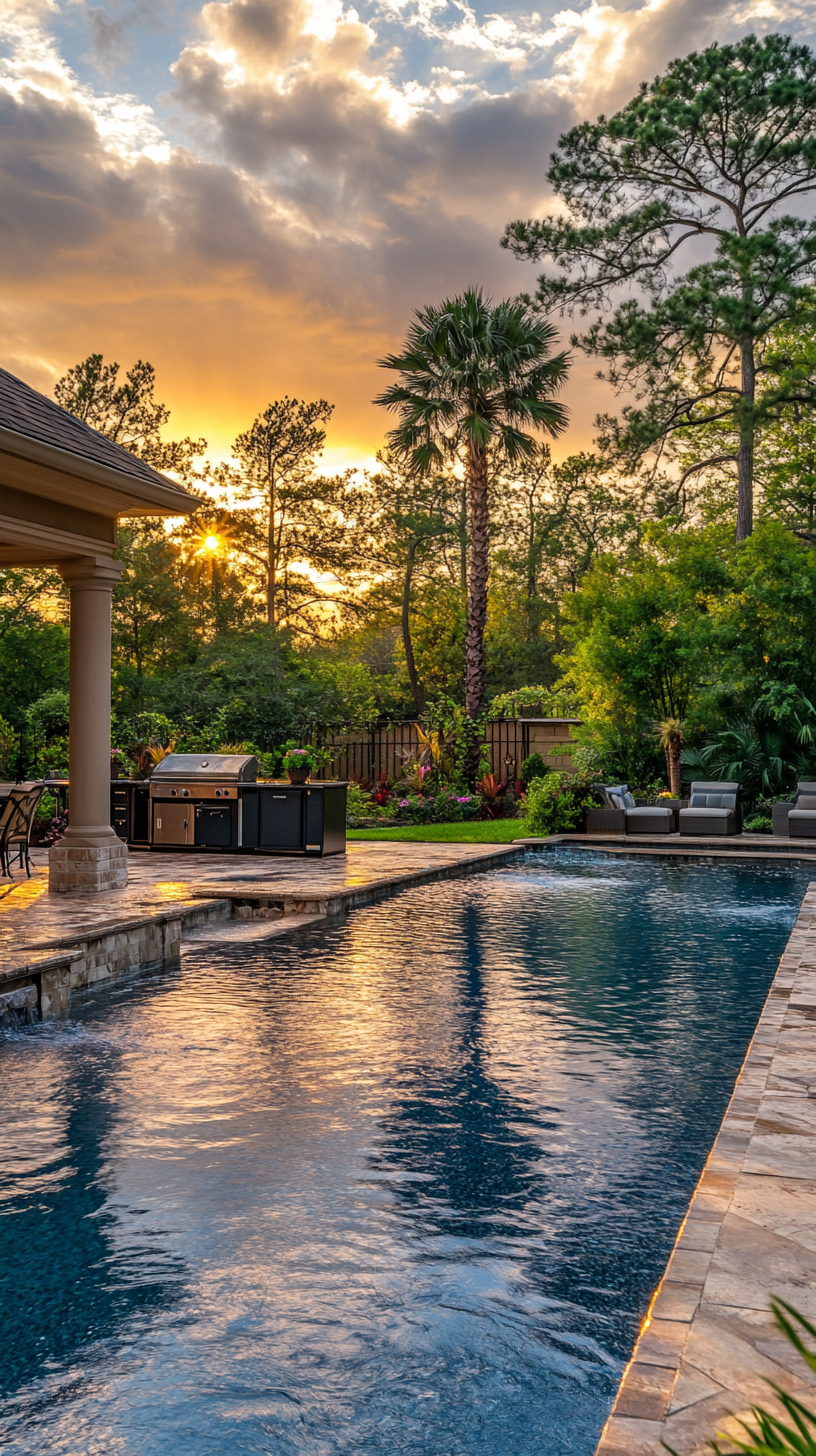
708	1342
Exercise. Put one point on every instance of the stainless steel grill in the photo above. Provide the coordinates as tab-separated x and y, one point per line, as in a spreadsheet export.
195	799
195	769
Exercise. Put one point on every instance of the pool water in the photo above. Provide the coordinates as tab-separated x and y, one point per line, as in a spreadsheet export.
404	1183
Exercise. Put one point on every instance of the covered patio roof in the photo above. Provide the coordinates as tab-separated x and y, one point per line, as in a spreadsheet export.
63	487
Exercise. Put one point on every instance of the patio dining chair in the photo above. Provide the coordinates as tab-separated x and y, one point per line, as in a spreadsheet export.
16	820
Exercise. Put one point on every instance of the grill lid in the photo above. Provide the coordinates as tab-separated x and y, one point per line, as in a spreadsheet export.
225	768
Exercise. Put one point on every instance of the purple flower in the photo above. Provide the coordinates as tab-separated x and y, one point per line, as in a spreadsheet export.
464	800
405	803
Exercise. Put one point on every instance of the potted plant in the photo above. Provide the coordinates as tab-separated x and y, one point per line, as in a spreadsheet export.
300	763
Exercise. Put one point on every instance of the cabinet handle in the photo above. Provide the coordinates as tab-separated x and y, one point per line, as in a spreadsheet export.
278	796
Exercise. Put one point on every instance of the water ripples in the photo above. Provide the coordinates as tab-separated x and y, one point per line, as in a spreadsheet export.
404	1183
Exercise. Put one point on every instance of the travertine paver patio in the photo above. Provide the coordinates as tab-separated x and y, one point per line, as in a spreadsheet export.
34	922
709	1342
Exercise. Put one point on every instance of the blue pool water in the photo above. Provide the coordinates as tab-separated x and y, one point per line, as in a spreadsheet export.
400	1185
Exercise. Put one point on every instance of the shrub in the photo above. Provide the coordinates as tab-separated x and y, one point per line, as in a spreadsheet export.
48	716
533	767
446	807
358	806
758	824
52	759
556	804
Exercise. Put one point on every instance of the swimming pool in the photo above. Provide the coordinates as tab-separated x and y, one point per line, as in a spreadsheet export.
401	1183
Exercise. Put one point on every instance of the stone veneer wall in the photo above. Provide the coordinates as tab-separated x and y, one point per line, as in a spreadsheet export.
709	1343
116	950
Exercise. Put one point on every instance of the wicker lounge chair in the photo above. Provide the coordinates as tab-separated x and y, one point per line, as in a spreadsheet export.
713	809
797	819
15	825
623	816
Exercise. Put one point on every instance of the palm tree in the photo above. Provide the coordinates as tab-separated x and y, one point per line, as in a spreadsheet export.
472	376
670	734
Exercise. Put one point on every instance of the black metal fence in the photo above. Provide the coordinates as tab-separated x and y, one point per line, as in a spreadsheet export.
386	748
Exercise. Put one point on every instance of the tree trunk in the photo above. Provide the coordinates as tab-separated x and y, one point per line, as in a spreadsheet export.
416	686
673	748
478	568
271	547
745	453
463	542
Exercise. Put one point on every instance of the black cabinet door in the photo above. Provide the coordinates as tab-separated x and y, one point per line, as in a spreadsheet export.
281	819
140	814
314	821
213	825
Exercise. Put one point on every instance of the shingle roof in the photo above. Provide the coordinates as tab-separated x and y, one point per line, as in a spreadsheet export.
27	412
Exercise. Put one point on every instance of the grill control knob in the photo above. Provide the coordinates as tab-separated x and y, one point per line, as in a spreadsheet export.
185	793
218	793
226	793
173	793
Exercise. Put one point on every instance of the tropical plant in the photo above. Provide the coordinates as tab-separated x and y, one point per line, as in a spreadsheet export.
714	149
670	734
765	752
493	793
437	750
474	378
144	756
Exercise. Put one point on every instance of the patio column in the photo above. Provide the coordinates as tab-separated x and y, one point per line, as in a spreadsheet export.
89	856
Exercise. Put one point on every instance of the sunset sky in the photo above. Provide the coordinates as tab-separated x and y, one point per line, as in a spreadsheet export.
254	194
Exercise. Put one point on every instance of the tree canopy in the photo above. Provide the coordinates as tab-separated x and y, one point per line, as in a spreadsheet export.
713	153
474	379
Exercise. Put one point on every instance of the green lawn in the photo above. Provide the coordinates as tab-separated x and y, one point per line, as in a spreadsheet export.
489	831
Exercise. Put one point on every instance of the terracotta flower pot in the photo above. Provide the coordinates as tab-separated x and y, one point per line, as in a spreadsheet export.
298	775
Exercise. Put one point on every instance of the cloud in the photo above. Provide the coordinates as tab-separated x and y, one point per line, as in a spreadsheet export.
268	221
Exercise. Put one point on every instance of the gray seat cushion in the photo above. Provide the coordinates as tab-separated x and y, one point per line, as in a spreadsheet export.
649	820
712	813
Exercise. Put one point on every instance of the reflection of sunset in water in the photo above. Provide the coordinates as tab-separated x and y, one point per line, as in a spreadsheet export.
400	1181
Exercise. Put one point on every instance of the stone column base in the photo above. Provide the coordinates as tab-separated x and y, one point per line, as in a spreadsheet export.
72	869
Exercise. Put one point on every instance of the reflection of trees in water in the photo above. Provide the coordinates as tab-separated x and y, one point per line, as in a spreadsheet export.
457	1126
63	1280
598	1235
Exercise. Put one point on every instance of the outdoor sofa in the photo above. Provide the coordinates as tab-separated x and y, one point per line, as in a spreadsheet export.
623	816
798	818
712	809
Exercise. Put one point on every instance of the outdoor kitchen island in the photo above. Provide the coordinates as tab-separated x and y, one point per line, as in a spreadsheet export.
215	802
